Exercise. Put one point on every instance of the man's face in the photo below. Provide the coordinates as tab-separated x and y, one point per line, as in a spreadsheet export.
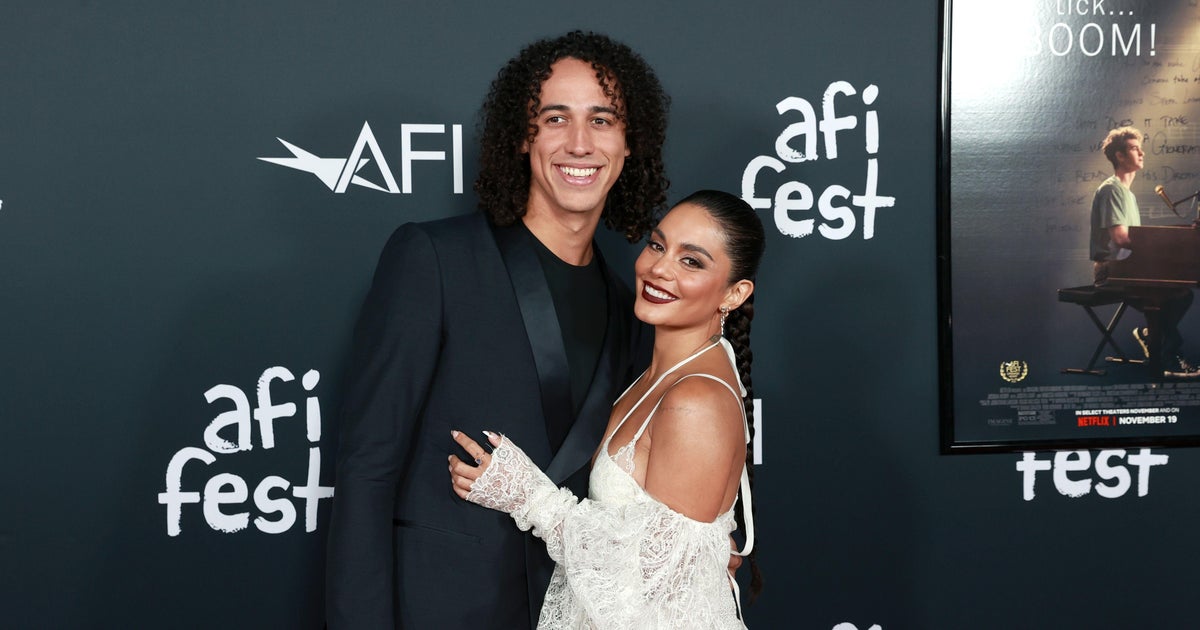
1131	158
579	149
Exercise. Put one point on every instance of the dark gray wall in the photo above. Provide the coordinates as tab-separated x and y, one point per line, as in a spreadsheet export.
147	256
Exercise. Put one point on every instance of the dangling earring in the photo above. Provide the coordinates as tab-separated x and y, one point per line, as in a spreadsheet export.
724	315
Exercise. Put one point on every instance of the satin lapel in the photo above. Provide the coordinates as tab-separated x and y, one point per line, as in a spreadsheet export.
611	367
541	320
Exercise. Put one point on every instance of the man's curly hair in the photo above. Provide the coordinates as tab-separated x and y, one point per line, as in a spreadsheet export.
507	122
1116	140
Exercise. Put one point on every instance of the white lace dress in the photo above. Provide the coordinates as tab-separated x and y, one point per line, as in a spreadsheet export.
624	559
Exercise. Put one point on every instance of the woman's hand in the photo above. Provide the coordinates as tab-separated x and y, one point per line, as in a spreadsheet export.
504	479
462	474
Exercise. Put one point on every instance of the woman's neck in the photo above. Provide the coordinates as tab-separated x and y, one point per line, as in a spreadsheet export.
674	345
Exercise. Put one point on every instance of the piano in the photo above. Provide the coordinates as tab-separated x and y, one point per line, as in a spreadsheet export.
1163	260
1161	257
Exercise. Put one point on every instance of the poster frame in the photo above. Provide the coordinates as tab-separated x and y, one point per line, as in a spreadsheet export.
950	441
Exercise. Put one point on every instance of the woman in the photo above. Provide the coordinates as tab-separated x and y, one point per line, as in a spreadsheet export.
649	548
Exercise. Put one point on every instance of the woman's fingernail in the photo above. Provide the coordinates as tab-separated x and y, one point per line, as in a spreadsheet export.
453	433
489	434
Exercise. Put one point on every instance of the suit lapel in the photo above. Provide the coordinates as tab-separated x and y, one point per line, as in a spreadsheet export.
541	323
588	429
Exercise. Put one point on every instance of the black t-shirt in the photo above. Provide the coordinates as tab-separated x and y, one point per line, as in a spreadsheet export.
581	303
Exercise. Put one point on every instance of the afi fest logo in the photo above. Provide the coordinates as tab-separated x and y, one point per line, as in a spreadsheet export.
225	494
339	173
793	201
1071	472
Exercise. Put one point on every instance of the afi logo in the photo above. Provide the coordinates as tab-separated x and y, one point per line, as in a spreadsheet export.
339	173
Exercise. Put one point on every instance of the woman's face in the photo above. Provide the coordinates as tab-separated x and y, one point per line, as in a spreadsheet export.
683	273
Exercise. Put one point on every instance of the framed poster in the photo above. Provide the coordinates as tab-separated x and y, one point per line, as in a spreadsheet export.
1034	355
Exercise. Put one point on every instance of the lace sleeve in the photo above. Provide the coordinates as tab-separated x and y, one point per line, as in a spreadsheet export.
515	485
638	564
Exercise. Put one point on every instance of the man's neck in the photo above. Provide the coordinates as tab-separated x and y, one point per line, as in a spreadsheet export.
566	237
1126	177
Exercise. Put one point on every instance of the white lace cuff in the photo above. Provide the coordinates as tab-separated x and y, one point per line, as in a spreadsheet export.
514	485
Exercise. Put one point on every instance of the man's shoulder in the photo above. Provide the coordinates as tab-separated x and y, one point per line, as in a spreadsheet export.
437	238
1112	192
464	228
460	225
1110	185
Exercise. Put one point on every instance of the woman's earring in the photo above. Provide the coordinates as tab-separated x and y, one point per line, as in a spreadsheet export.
724	315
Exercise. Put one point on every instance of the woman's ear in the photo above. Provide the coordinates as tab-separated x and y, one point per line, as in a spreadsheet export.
738	293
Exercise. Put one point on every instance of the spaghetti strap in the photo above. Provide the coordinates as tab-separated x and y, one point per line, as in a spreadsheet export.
649	416
743	484
650	389
740	393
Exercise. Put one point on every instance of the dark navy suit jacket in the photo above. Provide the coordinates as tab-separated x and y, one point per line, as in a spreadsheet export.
458	331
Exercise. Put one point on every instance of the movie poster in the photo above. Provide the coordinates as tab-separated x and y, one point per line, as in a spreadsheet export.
1031	89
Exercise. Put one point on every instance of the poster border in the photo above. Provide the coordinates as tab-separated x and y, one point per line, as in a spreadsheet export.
949	442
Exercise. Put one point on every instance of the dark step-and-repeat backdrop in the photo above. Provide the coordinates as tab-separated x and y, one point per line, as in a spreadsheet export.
193	197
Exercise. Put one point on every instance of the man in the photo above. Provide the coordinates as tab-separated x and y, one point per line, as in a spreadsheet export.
1114	211
511	322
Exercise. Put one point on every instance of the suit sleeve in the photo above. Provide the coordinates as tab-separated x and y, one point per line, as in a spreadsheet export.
392	360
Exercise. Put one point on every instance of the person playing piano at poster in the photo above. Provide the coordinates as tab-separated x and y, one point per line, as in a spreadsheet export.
1114	211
